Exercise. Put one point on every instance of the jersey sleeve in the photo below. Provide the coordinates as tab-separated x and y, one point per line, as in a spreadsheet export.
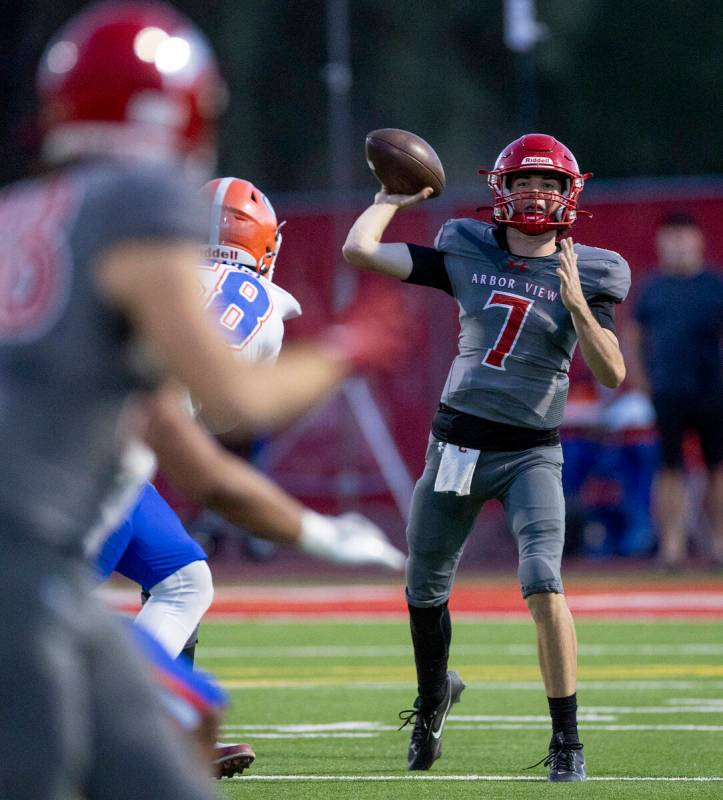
148	203
612	277
428	268
603	273
465	237
615	281
288	306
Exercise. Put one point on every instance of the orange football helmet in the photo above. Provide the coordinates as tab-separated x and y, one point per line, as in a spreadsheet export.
244	229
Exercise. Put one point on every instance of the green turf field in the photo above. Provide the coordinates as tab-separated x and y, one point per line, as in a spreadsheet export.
319	703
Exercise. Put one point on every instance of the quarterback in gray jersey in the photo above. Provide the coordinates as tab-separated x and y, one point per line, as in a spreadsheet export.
527	298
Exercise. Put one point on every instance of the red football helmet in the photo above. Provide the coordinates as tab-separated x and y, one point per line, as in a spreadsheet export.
130	79
244	230
538	153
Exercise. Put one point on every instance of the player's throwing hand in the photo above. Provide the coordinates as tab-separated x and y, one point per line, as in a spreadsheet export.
402	200
570	288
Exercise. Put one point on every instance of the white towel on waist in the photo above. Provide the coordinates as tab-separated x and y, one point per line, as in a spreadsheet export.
456	469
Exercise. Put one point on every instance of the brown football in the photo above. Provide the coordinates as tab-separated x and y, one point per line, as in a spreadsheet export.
403	162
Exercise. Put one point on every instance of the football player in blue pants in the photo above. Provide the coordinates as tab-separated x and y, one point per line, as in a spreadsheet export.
526	300
151	547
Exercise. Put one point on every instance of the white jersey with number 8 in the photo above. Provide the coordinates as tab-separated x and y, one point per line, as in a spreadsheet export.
248	309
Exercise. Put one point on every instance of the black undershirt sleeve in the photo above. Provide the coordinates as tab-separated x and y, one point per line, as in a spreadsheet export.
603	309
428	268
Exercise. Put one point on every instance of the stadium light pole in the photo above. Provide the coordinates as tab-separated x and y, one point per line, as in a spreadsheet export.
362	406
337	75
522	32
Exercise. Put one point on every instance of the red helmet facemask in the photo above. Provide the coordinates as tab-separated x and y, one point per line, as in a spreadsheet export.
131	80
530	211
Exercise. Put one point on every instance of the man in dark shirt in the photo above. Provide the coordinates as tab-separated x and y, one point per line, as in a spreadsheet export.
677	339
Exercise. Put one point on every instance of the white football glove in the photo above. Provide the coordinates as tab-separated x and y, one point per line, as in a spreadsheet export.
348	539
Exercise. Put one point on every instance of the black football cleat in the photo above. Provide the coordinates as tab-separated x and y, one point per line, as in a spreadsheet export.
425	743
565	761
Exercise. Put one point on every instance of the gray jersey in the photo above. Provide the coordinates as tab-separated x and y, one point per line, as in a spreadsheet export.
517	338
67	360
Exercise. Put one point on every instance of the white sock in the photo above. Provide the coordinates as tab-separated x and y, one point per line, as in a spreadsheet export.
176	606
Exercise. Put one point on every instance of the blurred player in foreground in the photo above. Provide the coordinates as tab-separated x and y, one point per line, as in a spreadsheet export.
99	301
152	547
525	301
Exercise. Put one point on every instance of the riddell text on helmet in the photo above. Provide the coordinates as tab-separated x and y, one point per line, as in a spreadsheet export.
221	253
537	160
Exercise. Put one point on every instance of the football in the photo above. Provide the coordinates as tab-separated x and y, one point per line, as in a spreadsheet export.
403	162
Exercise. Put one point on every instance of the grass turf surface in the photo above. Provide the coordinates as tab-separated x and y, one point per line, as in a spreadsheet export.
320	699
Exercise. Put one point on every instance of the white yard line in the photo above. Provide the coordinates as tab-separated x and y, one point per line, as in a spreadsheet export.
582	716
687	649
586	726
315	727
297	736
491	727
703	707
599	713
694	701
355	729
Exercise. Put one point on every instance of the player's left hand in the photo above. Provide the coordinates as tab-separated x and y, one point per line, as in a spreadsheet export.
362	542
348	539
570	288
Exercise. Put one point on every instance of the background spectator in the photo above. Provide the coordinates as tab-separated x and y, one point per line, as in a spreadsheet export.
677	347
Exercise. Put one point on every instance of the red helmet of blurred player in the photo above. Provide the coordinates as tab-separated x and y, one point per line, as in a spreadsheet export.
134	80
522	209
244	230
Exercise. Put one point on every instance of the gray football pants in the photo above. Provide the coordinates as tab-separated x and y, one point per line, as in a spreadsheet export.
78	717
529	484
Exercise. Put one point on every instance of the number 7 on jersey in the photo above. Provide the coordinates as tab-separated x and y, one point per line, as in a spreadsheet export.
519	308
